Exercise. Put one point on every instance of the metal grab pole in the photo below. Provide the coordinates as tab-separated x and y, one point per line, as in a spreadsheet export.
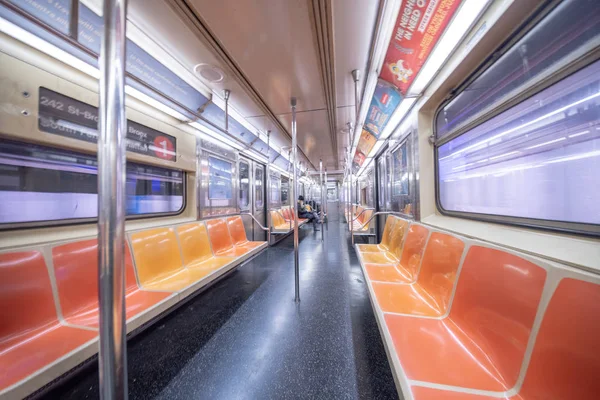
294	191
355	77
326	200
268	188
226	94
112	364
321	179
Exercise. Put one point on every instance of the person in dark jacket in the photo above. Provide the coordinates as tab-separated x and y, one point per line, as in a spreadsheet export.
303	212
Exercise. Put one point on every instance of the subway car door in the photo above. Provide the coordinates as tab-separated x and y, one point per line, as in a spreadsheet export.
245	193
259	204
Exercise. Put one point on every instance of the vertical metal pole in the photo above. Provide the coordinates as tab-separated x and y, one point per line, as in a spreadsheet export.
74	20
112	363
350	159
326	200
294	190
355	77
226	94
268	188
321	180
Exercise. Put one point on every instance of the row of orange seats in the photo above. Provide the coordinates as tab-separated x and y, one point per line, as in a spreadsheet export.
49	293
463	319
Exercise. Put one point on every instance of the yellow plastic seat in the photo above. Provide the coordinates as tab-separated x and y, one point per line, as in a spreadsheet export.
406	270
278	223
158	261
196	251
385	239
395	243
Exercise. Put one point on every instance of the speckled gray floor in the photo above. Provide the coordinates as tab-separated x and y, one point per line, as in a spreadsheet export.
245	338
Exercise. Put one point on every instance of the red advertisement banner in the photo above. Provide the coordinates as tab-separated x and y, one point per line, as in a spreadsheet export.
419	26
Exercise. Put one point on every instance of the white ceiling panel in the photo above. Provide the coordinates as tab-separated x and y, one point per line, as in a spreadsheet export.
159	22
313	137
273	44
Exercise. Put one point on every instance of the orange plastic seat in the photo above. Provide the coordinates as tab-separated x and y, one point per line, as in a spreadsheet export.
385	239
196	252
566	357
220	239
486	333
31	336
158	260
287	213
280	224
406	270
76	272
395	244
430	294
238	234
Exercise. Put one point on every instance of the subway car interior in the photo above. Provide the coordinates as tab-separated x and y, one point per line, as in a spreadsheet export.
300	199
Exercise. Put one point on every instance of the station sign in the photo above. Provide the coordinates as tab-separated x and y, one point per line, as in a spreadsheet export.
419	25
65	116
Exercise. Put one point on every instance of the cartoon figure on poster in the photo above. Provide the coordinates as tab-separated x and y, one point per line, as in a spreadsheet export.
400	72
401	175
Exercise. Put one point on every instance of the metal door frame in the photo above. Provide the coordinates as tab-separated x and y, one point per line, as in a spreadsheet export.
254	211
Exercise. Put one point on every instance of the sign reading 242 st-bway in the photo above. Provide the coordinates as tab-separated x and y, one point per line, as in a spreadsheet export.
62	115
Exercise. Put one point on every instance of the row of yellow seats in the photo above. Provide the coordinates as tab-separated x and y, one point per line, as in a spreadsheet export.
205	247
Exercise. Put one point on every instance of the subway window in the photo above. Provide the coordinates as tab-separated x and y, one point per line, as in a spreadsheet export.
244	198
285	187
274	183
549	45
47	184
259	190
381	181
539	159
220	183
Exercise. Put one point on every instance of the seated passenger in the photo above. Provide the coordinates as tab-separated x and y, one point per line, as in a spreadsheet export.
304	211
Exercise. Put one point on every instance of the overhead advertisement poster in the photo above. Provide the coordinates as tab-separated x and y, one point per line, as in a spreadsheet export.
365	145
385	100
419	26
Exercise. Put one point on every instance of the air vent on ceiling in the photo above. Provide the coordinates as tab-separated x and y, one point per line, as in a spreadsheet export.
210	73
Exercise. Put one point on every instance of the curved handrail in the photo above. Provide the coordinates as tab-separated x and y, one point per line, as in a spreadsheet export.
399	214
255	220
361	213
261	227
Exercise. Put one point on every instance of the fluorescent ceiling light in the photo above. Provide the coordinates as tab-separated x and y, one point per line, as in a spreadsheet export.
255	155
376	148
546	143
397	116
458	27
154	103
214	137
68	59
37	43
